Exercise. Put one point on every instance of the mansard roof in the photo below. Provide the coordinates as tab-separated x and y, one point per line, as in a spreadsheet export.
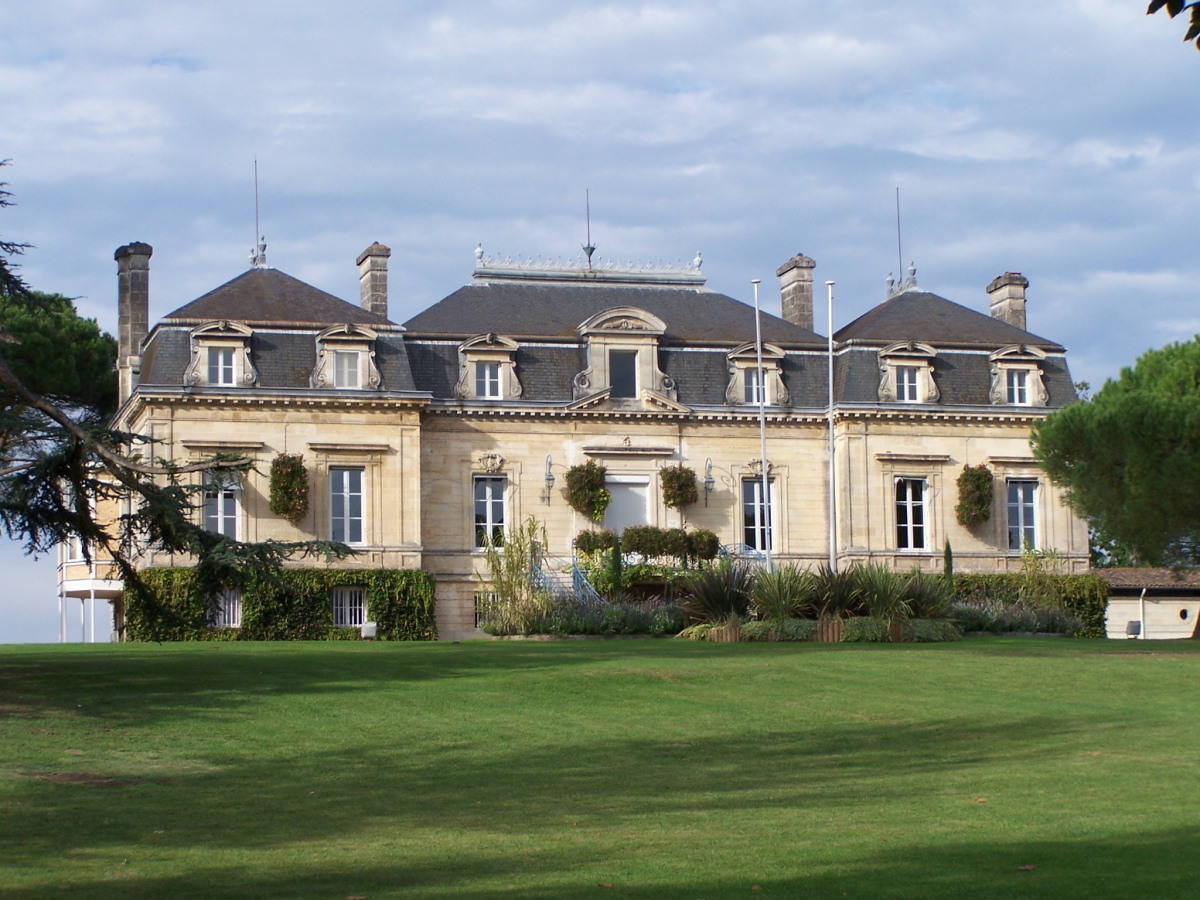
554	311
265	296
916	315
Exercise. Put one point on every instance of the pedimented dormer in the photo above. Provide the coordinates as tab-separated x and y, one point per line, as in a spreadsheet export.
622	358
1017	376
487	369
221	356
346	359
906	373
744	384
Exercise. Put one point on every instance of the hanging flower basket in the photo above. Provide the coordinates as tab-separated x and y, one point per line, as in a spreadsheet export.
678	486
585	491
289	487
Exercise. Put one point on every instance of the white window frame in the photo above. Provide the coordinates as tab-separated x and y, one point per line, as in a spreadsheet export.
349	606
330	371
222	507
1017	376
494	510
487	379
221	356
907	378
221	366
1024	512
1017	386
347	369
342	497
755	386
907	510
226	611
752	509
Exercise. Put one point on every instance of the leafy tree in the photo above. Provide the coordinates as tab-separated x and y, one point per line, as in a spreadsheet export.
59	459
1129	458
1174	8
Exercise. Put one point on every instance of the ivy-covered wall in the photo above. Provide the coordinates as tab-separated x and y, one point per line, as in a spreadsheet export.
297	606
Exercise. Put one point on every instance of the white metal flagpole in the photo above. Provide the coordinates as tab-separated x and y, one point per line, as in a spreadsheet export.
832	463
761	396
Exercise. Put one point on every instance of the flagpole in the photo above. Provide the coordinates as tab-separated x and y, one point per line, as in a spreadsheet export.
832	463
761	396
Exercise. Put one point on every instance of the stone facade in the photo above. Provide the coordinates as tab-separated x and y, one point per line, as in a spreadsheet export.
480	404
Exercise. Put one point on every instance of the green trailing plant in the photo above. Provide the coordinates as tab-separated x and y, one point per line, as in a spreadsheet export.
678	486
714	595
784	592
515	600
588	543
975	488
290	604
779	630
586	492
289	487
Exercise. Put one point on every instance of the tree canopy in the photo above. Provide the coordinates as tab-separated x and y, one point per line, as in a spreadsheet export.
1129	458
1174	8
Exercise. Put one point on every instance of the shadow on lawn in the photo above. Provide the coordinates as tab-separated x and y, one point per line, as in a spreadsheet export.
1158	864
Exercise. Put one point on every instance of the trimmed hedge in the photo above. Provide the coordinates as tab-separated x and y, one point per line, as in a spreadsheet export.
297	605
779	630
1085	596
866	630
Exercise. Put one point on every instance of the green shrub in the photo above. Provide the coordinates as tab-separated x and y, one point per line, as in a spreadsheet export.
836	594
928	631
697	632
714	595
590	542
1082	596
675	542
294	604
779	630
784	592
703	544
678	486
928	595
645	540
866	630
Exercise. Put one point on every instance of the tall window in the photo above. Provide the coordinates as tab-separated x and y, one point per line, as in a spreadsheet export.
221	506
225	610
346	505
622	373
756	390
758	527
345	369
910	514
1018	388
487	380
349	606
489	510
1022	516
220	365
906	384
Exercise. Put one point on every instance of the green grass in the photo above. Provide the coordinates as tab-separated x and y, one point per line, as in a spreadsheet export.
665	769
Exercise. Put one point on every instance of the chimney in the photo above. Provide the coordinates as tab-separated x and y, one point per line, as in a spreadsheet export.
1008	298
372	278
133	312
796	290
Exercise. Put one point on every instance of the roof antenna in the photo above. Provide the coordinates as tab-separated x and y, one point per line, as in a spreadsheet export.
899	252
589	248
258	255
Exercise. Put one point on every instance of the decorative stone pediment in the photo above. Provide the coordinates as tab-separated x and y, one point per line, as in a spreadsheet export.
487	369
906	373
1017	380
336	366
229	360
743	374
623	319
622	359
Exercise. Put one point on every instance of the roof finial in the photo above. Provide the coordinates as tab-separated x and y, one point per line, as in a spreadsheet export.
589	248
912	275
891	286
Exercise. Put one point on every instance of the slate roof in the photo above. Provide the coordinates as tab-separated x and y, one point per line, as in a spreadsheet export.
916	315
264	296
531	311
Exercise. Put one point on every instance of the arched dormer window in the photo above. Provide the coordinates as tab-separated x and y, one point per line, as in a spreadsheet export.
1017	376
622	357
744	384
346	359
487	369
906	373
221	356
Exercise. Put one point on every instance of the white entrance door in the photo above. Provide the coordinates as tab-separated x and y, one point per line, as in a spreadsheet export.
629	504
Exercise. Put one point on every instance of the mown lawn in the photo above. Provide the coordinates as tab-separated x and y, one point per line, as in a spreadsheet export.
628	768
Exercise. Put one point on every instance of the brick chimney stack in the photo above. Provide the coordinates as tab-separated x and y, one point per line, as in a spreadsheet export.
372	278
133	312
1007	293
796	290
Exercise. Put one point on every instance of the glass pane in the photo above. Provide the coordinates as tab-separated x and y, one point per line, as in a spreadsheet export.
622	373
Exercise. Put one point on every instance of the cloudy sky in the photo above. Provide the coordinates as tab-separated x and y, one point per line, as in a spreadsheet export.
1058	138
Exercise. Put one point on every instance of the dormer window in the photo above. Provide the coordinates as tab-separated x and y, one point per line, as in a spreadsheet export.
622	360
750	386
487	369
346	359
906	373
221	356
1017	376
